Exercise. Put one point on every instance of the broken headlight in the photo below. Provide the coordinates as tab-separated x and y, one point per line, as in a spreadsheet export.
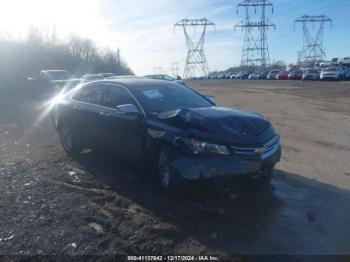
199	148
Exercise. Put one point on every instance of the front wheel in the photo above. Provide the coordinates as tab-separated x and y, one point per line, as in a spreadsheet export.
169	183
68	141
268	174
165	178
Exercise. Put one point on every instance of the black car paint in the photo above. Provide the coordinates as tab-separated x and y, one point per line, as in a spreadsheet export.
139	137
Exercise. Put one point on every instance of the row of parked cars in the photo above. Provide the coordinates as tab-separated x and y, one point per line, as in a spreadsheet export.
55	81
331	73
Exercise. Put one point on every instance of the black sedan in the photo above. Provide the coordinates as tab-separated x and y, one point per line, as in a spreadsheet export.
182	133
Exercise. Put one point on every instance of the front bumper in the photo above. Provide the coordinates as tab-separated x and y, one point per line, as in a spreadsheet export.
194	168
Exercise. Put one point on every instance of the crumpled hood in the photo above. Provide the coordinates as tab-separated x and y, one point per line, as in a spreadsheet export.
219	121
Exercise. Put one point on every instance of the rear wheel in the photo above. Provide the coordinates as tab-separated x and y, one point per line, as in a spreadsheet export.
68	141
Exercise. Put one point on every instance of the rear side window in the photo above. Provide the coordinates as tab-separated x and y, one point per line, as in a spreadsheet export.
91	94
116	96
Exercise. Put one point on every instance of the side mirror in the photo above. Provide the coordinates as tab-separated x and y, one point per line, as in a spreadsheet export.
127	109
210	98
178	78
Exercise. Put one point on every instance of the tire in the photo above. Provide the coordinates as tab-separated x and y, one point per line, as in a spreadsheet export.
169	183
68	141
268	174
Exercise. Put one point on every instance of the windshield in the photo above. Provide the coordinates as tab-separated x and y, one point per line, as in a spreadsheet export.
59	75
156	99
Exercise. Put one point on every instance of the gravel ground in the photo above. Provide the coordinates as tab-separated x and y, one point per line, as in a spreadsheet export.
93	204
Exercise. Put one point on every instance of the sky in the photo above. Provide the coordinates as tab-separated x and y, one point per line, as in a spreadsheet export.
143	29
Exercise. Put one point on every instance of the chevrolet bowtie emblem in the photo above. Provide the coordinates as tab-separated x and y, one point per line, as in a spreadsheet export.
260	150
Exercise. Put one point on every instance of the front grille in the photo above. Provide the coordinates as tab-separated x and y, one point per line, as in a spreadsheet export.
265	151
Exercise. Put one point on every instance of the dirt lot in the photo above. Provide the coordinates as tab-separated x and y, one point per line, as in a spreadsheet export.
51	204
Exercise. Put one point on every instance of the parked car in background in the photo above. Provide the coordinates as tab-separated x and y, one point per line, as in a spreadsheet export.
242	75
91	77
51	82
311	74
347	74
343	71
295	75
272	75
182	134
253	76
106	75
331	73
233	76
263	75
160	77
168	78
122	76
282	75
228	75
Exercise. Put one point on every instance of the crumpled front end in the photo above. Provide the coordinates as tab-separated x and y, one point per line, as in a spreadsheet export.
242	162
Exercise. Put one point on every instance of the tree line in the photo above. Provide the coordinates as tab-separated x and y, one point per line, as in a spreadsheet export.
40	50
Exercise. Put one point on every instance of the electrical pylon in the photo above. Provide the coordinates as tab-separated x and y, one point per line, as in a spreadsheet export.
255	52
313	51
196	62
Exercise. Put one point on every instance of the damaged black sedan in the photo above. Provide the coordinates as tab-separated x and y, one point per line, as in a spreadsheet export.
183	134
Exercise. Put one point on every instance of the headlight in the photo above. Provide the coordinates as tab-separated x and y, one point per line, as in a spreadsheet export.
199	147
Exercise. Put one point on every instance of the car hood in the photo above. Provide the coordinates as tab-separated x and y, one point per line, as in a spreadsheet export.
223	123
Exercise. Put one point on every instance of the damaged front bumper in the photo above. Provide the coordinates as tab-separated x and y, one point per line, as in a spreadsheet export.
244	162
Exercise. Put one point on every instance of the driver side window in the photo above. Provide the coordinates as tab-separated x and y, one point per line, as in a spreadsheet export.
91	94
116	96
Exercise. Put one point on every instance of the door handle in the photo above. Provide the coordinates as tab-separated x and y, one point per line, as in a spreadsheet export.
104	113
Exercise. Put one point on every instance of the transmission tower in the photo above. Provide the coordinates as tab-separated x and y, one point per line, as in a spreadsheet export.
196	62
313	43
255	52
